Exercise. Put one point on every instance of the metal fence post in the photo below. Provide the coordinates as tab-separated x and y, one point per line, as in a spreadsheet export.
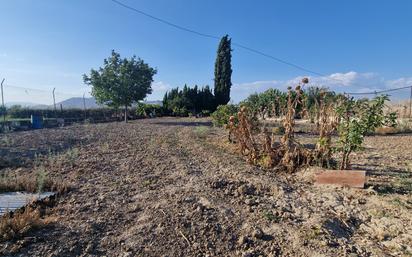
84	108
54	100
410	105
3	106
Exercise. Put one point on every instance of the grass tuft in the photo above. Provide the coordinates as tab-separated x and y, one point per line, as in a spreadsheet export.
201	131
32	183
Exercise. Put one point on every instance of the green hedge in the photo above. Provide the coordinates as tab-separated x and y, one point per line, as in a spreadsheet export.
93	114
149	110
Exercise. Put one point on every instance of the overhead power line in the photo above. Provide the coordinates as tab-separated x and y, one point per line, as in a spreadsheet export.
164	21
27	90
250	49
216	37
379	92
279	60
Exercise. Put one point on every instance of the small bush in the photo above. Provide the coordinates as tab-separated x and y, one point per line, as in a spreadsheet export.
19	223
201	131
222	114
358	118
149	110
180	112
205	113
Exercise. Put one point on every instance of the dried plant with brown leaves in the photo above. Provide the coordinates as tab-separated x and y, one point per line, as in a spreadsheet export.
327	124
287	154
33	182
294	154
244	136
14	225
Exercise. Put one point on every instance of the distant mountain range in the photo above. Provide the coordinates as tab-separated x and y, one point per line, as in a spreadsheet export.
77	102
74	102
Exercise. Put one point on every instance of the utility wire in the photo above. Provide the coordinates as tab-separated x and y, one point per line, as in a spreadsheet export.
25	88
250	49
165	21
279	60
40	90
216	37
379	92
353	93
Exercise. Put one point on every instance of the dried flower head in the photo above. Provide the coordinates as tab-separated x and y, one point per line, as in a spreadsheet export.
305	80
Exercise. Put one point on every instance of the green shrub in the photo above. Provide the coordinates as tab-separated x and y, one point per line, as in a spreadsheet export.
98	114
201	131
181	112
222	114
270	103
205	113
149	110
359	118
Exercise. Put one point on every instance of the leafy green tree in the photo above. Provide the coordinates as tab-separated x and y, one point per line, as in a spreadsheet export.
189	100
223	72
252	102
313	98
271	103
206	100
121	82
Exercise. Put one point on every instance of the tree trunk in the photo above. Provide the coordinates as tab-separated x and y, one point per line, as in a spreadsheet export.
347	163
342	164
345	160
125	113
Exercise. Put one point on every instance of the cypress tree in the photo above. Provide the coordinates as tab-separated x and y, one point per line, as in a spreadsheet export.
223	71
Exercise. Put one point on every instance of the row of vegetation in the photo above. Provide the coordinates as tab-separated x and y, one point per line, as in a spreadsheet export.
189	101
273	103
18	112
195	101
334	114
126	82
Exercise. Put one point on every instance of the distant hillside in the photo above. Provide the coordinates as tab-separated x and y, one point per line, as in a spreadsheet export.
74	102
77	102
22	104
154	102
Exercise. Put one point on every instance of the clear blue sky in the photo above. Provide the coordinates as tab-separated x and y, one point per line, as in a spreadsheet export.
51	43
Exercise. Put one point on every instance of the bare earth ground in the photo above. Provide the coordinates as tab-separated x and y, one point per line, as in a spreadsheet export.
173	187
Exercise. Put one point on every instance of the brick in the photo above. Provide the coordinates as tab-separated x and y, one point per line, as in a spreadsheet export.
351	178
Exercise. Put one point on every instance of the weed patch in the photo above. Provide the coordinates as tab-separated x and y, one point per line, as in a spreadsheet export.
271	217
36	182
201	131
19	223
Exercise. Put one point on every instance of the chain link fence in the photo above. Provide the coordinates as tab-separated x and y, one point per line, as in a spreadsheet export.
22	108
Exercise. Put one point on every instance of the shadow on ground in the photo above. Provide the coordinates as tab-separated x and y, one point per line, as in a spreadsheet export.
392	180
184	123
